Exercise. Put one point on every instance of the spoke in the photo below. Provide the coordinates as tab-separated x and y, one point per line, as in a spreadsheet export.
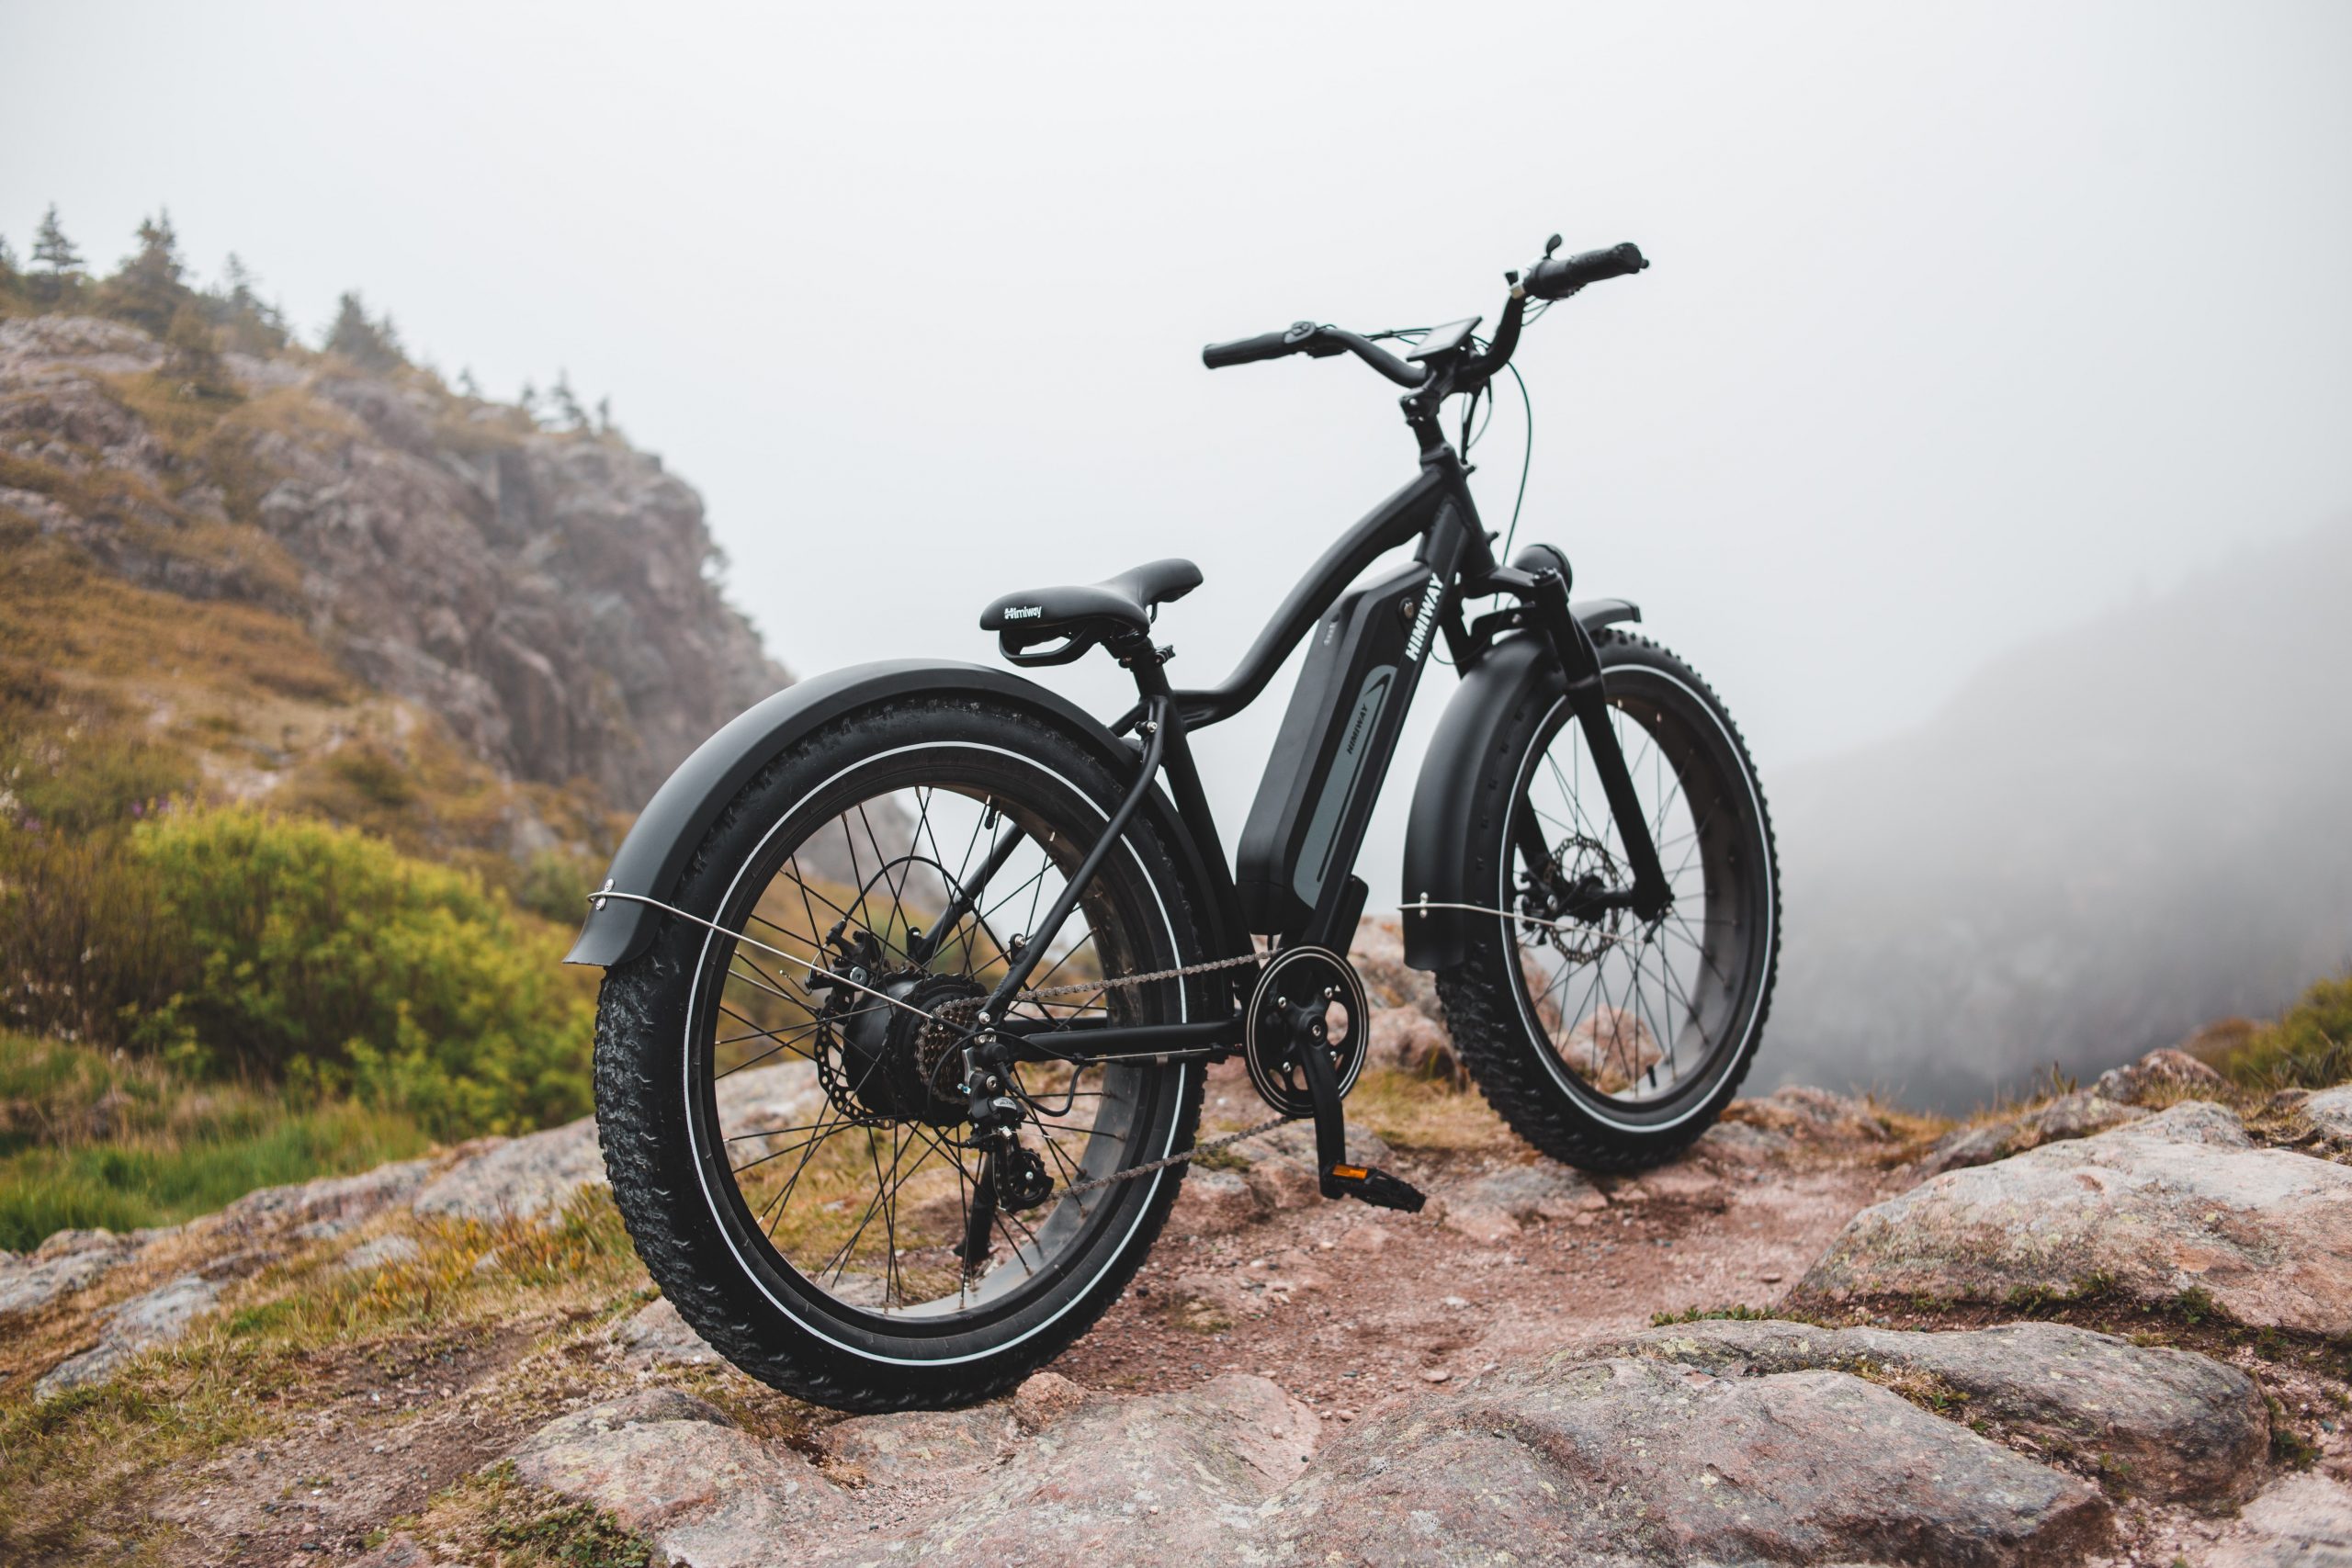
1699	947
841	1257
783	1193
759	983
757	1034
779	1153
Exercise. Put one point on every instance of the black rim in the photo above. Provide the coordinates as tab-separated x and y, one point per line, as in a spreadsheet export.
1640	1019
829	1118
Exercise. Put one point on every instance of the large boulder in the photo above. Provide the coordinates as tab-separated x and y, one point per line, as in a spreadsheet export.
1630	1461
162	1317
68	1261
2160	1077
2179	1425
537	1176
673	1468
531	1178
2305	1521
2180	1203
1050	1477
2078	1115
331	1205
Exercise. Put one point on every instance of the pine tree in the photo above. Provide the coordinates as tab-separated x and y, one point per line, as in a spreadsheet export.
604	416
253	323
51	249
8	258
527	400
567	405
467	385
148	290
371	345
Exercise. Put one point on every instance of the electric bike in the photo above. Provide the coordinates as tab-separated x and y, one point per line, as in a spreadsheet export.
915	971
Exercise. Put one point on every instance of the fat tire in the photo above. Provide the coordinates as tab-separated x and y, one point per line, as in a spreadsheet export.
640	1028
1484	1016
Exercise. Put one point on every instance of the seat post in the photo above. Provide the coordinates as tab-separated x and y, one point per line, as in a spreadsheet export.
1148	665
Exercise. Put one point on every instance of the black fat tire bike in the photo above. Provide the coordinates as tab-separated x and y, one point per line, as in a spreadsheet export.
915	971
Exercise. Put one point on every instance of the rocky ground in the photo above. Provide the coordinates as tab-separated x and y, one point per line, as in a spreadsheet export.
2110	1328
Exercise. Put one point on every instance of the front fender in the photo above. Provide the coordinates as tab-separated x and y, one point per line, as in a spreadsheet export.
1471	735
654	854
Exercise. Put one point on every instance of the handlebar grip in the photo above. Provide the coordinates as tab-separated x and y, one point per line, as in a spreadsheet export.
1245	351
1558	279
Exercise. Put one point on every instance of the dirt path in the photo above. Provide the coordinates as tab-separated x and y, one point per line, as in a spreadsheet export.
1343	1305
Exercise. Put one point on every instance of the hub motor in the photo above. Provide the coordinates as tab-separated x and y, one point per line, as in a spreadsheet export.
1308	999
891	1066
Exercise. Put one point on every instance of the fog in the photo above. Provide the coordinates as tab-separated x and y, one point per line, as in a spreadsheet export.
2111	836
1966	324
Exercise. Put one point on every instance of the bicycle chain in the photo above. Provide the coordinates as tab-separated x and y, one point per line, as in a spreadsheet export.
958	1016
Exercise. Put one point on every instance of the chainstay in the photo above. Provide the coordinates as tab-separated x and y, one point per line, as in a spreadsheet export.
1224	1142
960	1014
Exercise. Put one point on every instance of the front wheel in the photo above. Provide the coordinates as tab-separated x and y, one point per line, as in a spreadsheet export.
1607	1041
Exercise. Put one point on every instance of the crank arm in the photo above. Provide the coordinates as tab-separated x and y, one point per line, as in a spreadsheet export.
1334	1175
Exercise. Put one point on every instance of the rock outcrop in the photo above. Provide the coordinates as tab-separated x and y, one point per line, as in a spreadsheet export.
1627	1459
2182	1425
158	1317
551	596
2305	1521
2076	1115
675	1468
2182	1202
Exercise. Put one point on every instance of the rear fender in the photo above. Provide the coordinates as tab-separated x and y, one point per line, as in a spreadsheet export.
653	857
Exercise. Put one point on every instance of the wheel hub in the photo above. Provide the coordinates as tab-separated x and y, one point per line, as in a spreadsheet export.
892	1065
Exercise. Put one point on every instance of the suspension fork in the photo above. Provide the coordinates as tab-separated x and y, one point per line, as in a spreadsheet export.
1547	592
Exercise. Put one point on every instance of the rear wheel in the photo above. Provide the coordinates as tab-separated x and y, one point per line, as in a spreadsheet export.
783	1120
1605	1040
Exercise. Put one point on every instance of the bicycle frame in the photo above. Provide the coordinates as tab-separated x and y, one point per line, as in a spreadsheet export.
1297	885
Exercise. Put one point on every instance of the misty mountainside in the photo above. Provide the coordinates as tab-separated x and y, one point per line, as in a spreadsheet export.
2110	837
338	585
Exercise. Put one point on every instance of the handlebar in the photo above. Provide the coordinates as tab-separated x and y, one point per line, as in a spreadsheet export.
1549	279
1248	350
1546	279
1316	341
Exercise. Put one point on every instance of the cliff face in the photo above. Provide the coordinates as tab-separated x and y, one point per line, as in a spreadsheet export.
548	597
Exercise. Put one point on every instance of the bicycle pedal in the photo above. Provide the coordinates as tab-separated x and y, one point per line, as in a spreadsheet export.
1369	1184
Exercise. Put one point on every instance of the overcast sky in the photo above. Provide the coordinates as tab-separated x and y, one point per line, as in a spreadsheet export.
1963	321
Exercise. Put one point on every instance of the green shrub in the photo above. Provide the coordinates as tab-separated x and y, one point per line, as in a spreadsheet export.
321	956
2311	1047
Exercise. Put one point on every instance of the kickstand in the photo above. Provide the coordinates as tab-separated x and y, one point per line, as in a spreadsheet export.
1338	1179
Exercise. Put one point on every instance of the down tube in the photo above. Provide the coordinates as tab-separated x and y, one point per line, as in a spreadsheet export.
1298	853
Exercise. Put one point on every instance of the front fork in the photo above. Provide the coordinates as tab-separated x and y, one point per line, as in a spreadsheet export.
1546	595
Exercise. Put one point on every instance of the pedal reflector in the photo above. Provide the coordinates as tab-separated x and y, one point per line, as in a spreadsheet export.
1372	1185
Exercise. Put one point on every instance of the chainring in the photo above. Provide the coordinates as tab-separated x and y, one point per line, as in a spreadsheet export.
1306	998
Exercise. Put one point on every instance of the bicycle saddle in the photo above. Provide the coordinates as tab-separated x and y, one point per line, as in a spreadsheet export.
1115	610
